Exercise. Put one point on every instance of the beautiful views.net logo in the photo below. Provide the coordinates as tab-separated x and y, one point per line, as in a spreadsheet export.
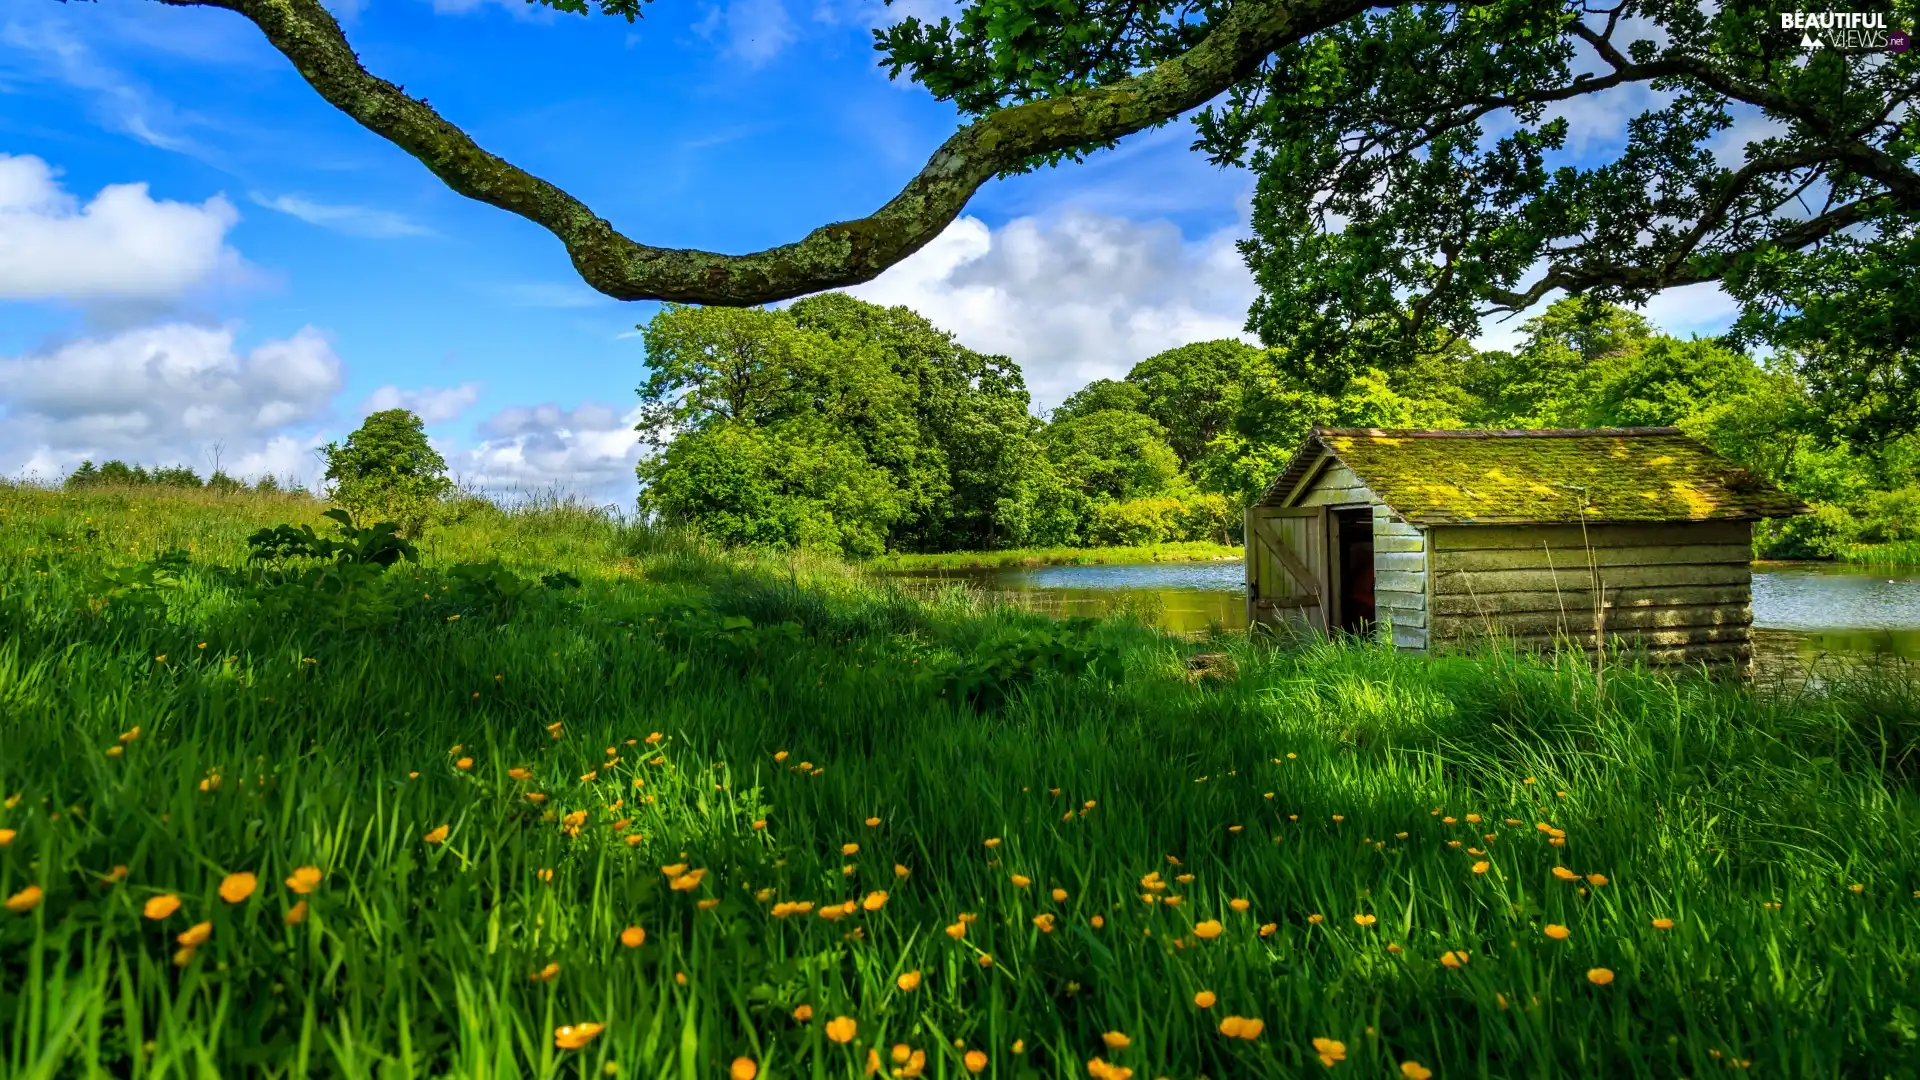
1852	31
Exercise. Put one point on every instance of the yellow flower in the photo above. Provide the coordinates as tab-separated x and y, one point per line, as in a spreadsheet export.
802	1013
900	871
520	772
957	931
781	755
1208	930
575	1036
1116	1040
1267	929
546	974
743	1068
1393	947
6	837
25	900
1098	921
304	878
1557	932
1663	924
463	764
1331	1051
1364	920
1453	959
1338	818
115	875
1205	999
1596	879
1449	821
688	881
1044	921
159	907
196	935
873	822
875	900
841	1029
1021	881
1239	905
237	887
1100	1070
849	849
633	839
975	1061
986	961
633	937
297	914
654	739
1316	919
439	835
1413	1070
1019	1046
674	870
1599	976
908	981
1482	866
993	842
116	751
1565	874
1059	896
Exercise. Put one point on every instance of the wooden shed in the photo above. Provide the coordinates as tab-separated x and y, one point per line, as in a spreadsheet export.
1537	536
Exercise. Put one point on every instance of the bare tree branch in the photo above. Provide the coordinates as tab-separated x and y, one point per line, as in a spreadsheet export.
831	256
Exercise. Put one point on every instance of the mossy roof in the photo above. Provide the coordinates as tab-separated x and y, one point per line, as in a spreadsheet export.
1545	477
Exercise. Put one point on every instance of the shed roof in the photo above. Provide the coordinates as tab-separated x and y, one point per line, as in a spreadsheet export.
1545	477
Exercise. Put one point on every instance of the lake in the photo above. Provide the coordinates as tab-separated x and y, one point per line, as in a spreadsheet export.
1802	612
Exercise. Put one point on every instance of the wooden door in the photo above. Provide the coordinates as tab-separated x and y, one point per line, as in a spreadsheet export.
1289	566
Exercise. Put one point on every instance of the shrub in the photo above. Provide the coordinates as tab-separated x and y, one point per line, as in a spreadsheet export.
388	471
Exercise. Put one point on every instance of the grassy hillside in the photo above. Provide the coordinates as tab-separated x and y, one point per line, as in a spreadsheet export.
1017	846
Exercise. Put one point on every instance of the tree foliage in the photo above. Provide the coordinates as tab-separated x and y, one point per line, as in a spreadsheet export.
387	471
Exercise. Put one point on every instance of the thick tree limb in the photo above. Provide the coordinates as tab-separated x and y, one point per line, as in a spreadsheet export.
831	256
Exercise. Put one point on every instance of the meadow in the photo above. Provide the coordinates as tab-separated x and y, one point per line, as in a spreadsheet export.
569	797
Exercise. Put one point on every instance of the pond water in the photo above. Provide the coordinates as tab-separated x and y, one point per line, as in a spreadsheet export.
1807	611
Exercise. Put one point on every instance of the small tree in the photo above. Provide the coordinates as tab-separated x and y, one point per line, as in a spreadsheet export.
388	472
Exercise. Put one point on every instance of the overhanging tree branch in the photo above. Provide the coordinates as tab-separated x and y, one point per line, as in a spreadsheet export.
831	256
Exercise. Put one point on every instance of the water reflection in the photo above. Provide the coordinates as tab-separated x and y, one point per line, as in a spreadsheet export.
1801	611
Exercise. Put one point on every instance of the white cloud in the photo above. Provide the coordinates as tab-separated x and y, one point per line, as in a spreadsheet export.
122	245
433	404
168	394
753	31
44	51
588	451
1075	299
351	220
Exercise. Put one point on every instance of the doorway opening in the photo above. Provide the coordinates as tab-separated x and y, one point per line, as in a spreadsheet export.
1355	529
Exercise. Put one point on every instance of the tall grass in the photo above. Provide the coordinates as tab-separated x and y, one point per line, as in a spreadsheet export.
1900	553
1779	832
1184	551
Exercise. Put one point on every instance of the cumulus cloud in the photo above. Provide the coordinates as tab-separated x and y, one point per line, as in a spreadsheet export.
351	220
589	451
122	245
168	394
1082	297
433	404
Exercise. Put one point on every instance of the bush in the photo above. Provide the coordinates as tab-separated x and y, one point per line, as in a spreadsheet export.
1160	519
388	471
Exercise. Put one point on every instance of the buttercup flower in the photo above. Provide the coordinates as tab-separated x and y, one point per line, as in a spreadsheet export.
841	1029
1413	1070
802	1013
1663	924
1208	930
908	981
1364	920
196	935
575	1036
297	914
1453	959
1205	999
25	900
743	1068
303	879
237	887
439	835
974	1060
1599	976
1116	1040
1557	932
1330	1051
159	907
633	937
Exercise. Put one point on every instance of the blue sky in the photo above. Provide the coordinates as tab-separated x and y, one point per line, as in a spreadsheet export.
282	271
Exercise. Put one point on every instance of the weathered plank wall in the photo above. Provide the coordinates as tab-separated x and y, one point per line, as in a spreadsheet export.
1400	578
1335	486
1682	592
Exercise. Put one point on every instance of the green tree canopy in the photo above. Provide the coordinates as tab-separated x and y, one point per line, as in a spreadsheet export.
387	470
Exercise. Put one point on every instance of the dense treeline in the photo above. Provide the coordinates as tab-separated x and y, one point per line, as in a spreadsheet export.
840	425
117	473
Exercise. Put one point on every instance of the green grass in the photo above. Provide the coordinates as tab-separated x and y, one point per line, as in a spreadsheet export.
1194	551
1903	553
1325	781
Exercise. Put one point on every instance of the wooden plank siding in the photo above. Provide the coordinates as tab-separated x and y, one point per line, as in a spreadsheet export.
1400	578
1676	593
1335	486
